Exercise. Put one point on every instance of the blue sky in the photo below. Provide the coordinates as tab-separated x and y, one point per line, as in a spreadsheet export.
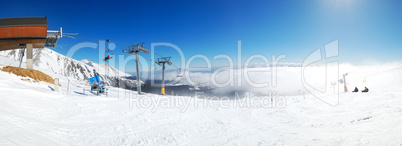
367	31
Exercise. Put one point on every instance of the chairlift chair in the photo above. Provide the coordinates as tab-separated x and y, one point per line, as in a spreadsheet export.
108	50
179	75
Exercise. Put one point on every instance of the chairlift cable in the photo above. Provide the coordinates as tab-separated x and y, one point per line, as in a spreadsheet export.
86	37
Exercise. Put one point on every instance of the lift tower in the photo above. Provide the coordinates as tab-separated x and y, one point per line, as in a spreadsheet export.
344	82
161	62
135	49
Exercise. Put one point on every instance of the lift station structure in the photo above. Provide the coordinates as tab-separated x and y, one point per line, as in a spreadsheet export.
27	33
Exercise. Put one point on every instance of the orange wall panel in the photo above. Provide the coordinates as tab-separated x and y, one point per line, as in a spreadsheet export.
23	31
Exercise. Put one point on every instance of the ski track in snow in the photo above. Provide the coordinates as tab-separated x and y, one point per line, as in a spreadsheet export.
32	114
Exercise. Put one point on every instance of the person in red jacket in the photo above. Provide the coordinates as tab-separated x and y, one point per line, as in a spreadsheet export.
107	58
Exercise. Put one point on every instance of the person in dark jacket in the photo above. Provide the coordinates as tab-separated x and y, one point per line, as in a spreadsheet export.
356	90
365	89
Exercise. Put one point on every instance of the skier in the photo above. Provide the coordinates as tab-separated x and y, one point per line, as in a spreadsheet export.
365	89
107	58
356	90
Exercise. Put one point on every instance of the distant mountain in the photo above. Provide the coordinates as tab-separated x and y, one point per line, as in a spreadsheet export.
79	71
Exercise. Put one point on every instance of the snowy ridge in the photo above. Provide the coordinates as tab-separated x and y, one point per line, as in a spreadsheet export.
47	60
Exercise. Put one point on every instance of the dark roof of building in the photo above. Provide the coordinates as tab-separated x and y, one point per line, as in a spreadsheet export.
23	21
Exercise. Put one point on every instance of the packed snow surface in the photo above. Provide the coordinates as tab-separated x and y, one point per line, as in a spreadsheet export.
33	114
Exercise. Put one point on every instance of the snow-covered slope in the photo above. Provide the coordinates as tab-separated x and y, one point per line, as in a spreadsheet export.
32	114
47	60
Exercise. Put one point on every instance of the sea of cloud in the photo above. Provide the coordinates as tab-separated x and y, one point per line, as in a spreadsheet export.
290	80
